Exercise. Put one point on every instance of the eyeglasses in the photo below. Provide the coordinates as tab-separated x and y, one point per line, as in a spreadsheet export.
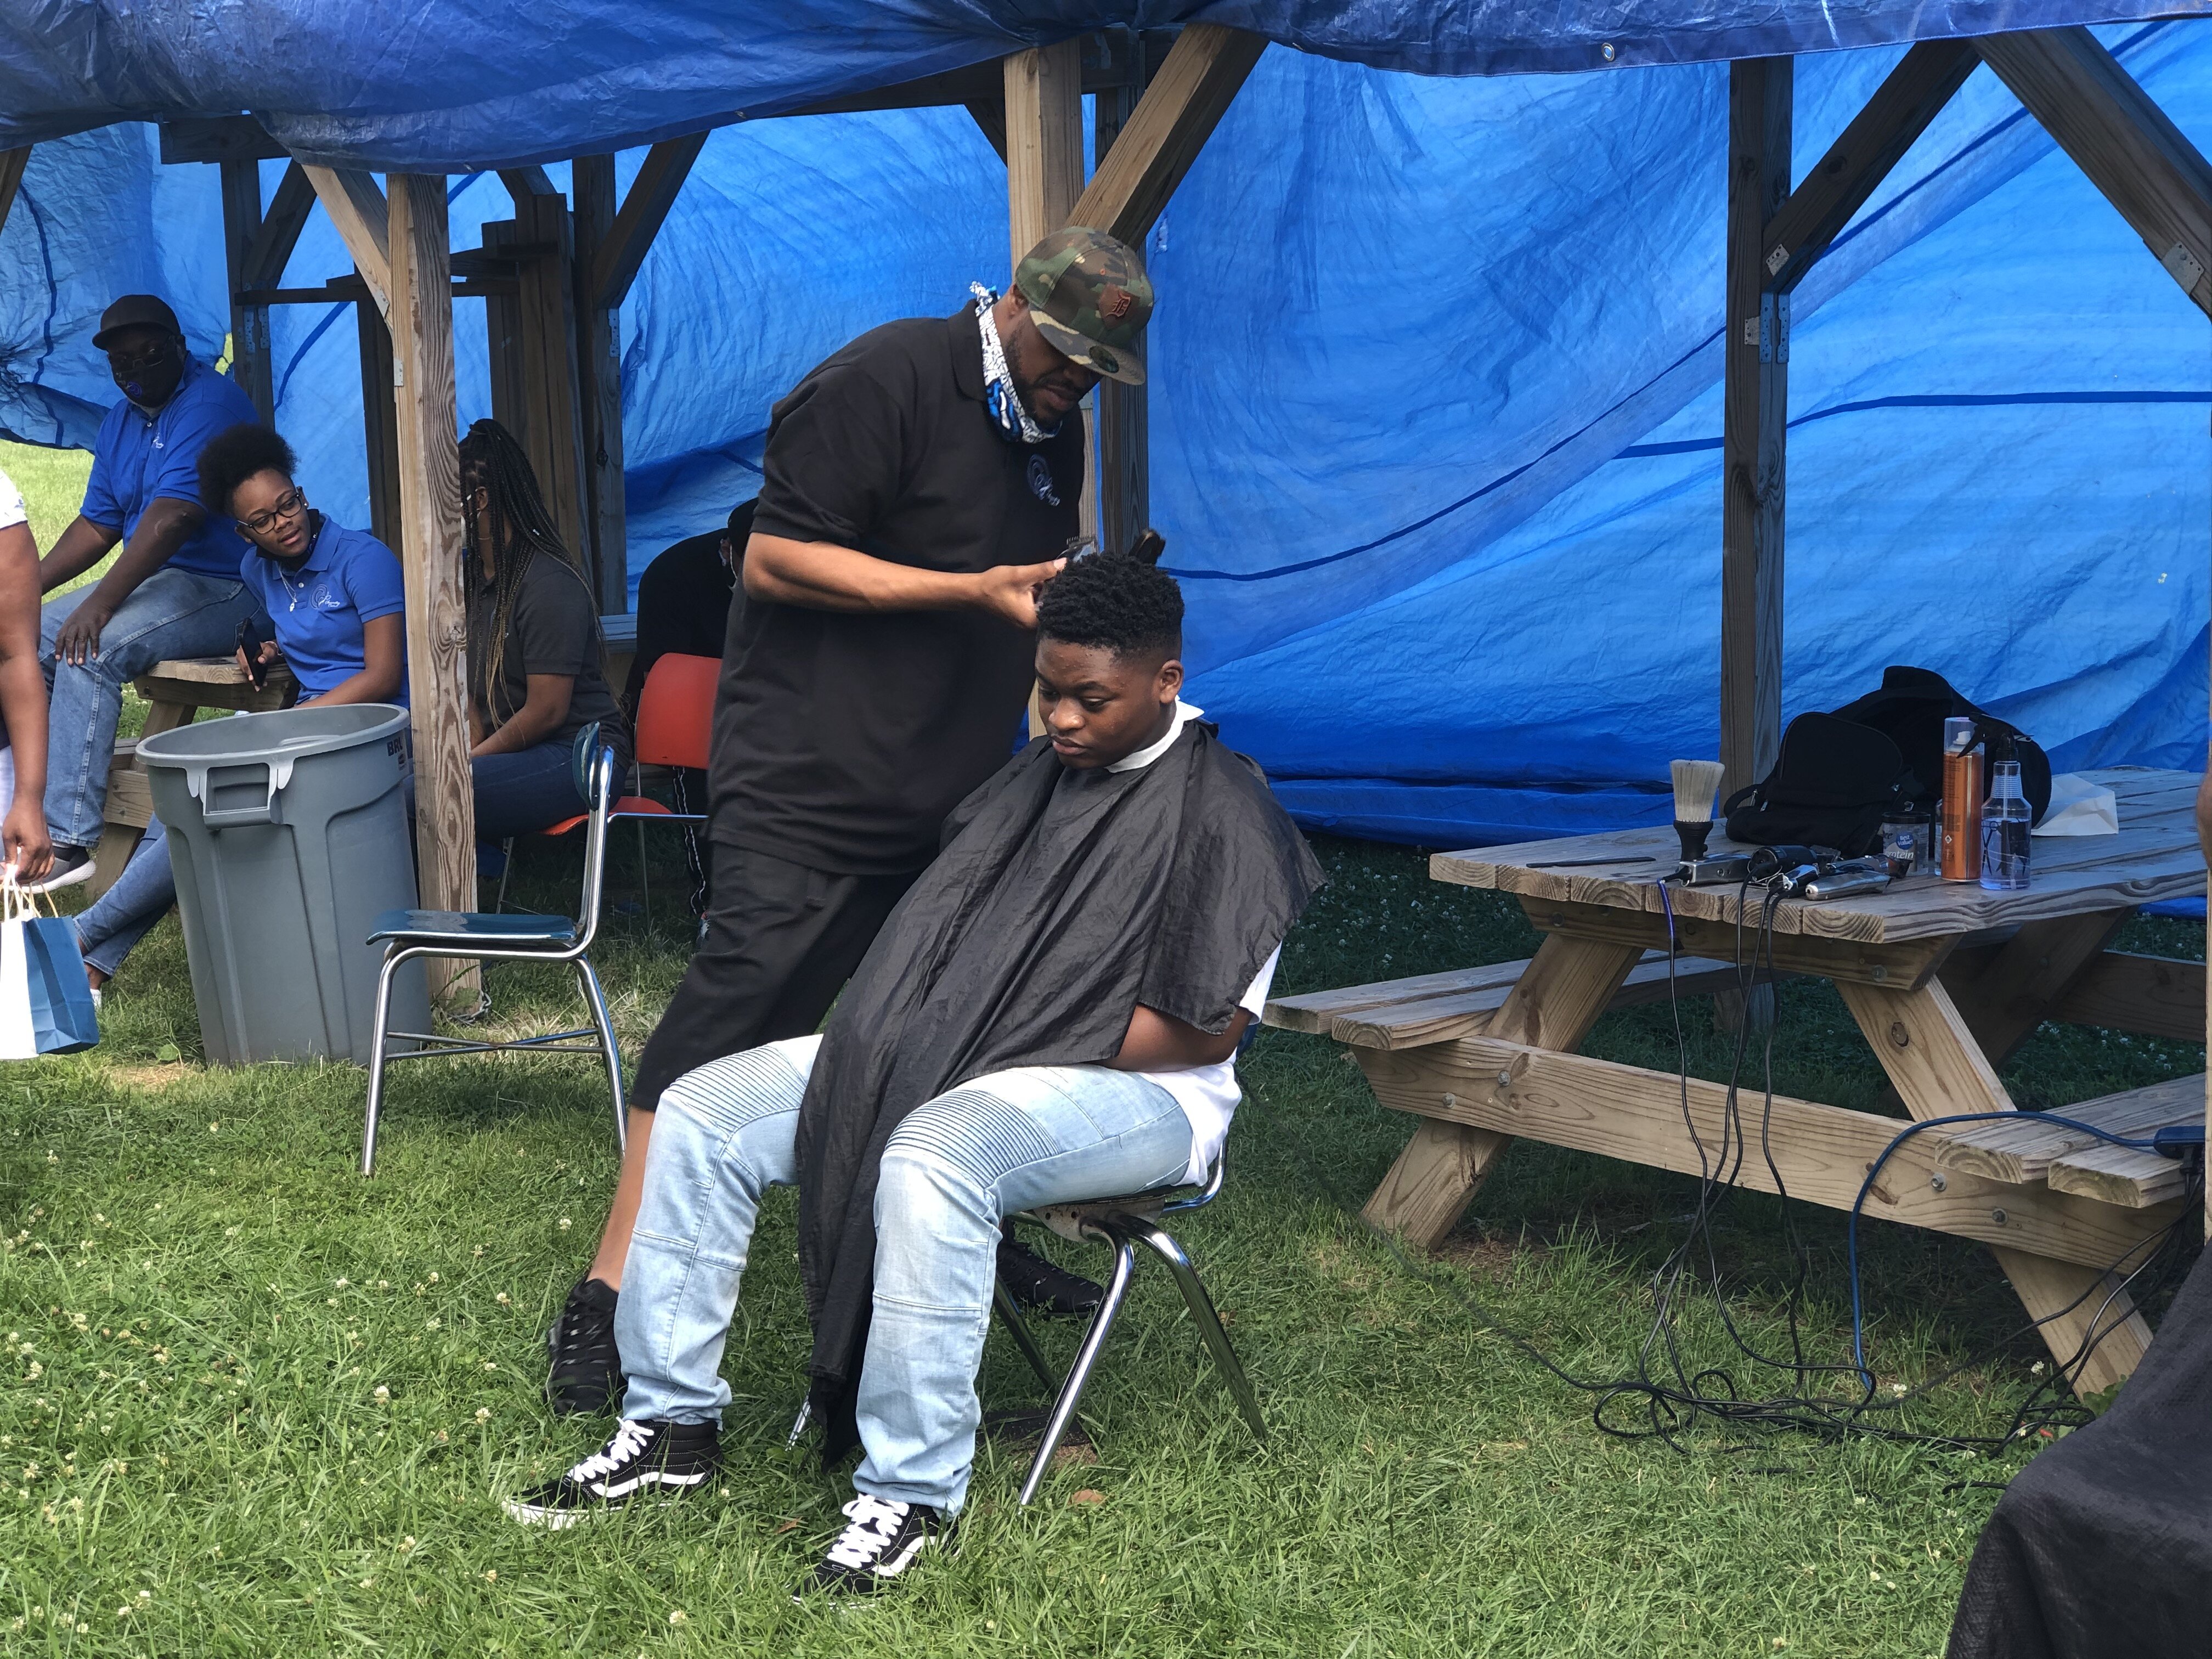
149	358
287	506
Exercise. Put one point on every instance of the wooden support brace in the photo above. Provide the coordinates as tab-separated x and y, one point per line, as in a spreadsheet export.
1912	95
1163	136
1755	413
273	246
12	163
430	537
532	341
378	420
2004	998
1122	425
2116	134
358	208
990	115
526	181
249	324
644	210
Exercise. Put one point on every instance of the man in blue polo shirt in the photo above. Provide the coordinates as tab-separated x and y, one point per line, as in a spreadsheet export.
175	589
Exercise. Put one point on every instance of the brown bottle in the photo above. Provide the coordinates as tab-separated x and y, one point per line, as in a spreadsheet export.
1962	802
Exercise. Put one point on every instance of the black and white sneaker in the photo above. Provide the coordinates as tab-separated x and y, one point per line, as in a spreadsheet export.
72	865
584	1374
880	1541
675	1457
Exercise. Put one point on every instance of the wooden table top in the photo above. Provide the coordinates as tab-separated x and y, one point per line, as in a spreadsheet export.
2153	856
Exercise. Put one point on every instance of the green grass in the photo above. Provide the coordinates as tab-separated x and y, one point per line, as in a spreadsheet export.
256	1404
53	482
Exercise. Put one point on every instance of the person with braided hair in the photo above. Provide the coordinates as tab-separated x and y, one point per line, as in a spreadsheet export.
533	647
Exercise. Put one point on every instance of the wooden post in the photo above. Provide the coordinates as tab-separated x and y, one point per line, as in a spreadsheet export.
1163	136
1044	177
12	163
533	339
358	210
422	317
378	422
599	384
1756	404
249	324
1124	460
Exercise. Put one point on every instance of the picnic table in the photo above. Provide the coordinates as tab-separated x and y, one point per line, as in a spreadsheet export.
1944	980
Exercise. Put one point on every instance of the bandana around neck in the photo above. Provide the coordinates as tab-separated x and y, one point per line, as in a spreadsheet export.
1008	417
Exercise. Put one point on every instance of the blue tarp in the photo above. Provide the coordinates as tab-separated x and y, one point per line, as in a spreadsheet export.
1435	411
448	86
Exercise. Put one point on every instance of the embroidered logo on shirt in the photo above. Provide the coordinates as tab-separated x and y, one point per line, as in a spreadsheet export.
326	600
1040	482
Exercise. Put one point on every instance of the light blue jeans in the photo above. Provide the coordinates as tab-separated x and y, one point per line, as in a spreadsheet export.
723	1136
173	613
107	931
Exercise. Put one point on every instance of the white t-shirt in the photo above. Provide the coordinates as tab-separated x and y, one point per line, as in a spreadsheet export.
1208	1094
11	504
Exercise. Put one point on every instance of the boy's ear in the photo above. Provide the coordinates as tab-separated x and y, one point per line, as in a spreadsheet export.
1170	679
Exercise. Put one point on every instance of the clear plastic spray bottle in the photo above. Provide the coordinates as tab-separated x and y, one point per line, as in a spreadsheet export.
2005	824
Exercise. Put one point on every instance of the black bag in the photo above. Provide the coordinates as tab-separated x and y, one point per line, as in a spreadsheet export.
1910	708
1832	786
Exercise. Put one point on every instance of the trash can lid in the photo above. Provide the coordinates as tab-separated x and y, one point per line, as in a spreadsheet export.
288	733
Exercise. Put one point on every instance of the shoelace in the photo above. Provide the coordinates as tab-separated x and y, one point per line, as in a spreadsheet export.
874	1523
631	1439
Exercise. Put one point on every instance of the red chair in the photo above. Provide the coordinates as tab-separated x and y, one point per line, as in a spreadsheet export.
675	729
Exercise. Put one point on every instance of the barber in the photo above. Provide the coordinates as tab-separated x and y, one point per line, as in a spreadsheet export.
918	488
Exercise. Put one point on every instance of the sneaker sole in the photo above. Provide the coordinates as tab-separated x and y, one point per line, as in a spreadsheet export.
553	1520
67	878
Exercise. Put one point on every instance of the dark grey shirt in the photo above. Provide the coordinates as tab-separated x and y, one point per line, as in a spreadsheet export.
554	628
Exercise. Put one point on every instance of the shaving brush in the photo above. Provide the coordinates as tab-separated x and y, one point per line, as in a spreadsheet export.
1696	784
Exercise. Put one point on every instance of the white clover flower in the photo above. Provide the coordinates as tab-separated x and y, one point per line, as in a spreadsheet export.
383	1393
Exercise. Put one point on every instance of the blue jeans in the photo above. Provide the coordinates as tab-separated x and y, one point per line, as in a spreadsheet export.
173	613
109	930
516	793
1048	1135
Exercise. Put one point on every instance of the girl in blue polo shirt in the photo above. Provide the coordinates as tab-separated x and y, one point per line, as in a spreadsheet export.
333	598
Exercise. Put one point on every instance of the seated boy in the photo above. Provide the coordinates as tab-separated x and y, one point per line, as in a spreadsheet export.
1049	1015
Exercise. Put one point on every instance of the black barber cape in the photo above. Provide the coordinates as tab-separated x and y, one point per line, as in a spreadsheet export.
1061	900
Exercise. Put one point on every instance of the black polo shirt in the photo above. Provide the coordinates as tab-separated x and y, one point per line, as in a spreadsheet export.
841	740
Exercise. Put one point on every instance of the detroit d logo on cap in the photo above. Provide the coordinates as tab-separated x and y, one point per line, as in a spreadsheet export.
1040	482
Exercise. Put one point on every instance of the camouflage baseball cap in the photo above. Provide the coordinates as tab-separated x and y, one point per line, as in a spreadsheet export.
1091	299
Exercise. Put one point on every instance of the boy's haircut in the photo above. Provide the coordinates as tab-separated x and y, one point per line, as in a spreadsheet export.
235	454
1124	605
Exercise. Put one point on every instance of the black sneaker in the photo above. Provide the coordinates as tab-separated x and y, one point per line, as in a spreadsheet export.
72	865
677	1457
1039	1286
585	1371
880	1541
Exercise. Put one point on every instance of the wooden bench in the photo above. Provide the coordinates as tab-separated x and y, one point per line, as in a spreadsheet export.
1411	1013
175	691
2067	1161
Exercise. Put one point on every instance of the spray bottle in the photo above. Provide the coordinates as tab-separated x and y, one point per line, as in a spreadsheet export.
2006	821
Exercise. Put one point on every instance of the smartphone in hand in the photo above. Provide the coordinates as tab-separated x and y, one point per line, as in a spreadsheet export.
249	646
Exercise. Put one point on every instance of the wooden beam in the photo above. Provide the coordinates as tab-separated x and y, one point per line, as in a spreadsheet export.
1111	59
216	138
1044	176
273	246
1911	96
1755	409
430	548
12	162
2153	996
379	421
598	385
1122	425
358	208
533	356
990	115
1162	137
2131	151
249	324
652	193
526	181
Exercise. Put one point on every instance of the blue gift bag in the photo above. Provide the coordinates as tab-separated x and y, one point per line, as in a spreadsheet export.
45	1003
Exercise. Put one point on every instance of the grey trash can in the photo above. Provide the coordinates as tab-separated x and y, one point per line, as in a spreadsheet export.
288	831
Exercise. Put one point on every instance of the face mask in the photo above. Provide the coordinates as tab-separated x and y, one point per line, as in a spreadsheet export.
151	384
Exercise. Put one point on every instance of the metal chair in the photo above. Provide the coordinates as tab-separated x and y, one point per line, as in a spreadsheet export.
485	936
1123	1224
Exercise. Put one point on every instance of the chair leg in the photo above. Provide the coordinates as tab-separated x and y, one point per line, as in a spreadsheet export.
590	981
1002	1301
376	1062
1094	1340
644	877
506	866
1209	1322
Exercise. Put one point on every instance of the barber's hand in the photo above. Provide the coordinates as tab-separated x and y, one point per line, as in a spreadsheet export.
79	637
1010	591
23	835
